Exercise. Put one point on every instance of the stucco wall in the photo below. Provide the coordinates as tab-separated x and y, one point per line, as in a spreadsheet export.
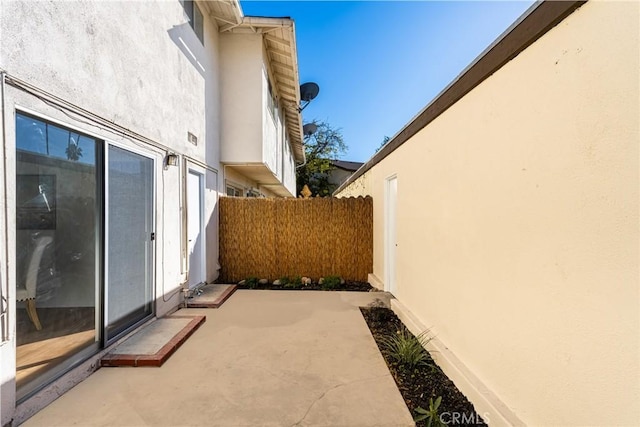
140	65
241	95
236	179
125	63
289	167
518	224
135	72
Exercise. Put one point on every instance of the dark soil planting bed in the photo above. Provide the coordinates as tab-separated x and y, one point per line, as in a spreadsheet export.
347	286
421	383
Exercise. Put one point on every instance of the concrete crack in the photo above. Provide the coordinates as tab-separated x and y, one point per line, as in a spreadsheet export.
319	398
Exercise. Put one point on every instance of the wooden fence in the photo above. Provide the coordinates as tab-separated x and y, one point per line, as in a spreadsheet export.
317	237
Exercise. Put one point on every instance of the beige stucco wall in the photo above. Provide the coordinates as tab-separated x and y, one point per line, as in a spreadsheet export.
518	224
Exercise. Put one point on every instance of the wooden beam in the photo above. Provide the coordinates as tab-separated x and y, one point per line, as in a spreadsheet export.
277	40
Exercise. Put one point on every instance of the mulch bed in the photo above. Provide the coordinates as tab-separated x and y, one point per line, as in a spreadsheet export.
347	286
424	382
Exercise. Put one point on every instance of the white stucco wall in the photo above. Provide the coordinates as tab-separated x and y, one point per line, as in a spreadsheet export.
140	65
249	132
241	96
518	236
236	179
289	168
270	124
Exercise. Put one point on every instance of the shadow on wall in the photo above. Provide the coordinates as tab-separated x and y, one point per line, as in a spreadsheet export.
186	40
212	263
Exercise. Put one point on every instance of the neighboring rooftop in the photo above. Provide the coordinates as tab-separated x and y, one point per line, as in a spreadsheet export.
346	165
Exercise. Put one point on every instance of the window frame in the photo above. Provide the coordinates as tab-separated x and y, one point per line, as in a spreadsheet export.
236	189
196	18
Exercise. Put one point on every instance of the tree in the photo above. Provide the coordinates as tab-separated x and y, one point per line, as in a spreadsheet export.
383	143
325	145
73	151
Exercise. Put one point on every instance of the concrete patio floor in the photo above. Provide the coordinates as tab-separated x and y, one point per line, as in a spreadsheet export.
280	358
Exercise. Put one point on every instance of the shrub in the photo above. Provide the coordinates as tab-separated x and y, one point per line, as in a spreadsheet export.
431	416
406	349
331	282
251	282
294	283
284	281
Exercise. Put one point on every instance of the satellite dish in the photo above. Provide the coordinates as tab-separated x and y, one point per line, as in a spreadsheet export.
309	129
309	91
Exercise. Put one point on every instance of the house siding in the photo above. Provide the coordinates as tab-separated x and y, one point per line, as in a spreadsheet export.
140	66
242	93
251	134
518	224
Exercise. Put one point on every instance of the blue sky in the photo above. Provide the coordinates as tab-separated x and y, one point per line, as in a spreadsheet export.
378	63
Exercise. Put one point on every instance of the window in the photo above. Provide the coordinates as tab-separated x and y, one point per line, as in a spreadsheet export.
233	191
58	249
195	18
272	103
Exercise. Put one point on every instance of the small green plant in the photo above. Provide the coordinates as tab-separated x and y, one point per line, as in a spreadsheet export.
330	282
431	415
251	282
284	281
294	283
406	349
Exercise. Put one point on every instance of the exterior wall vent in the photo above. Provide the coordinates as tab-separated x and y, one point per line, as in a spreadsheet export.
192	138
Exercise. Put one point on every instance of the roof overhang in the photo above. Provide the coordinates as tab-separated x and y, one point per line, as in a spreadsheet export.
279	39
263	176
225	12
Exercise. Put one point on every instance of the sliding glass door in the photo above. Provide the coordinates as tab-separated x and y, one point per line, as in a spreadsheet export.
129	254
84	247
58	250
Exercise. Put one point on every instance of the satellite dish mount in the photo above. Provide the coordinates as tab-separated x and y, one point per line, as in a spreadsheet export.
308	92
309	129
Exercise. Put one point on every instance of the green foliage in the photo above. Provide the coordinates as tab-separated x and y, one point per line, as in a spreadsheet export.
251	282
73	150
383	143
431	415
331	282
406	349
284	281
292	283
320	149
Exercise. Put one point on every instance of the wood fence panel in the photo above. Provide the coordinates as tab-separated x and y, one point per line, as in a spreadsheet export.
274	238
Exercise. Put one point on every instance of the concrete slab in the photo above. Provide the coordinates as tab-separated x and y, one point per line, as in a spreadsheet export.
264	358
211	296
